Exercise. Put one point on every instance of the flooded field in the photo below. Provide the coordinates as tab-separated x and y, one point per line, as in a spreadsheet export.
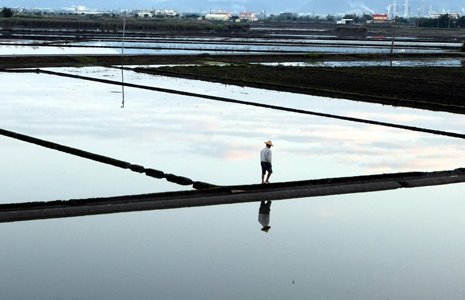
155	126
402	244
393	63
226	45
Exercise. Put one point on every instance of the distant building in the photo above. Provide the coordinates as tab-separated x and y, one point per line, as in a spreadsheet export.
379	18
451	15
165	13
82	10
248	17
144	14
345	21
219	16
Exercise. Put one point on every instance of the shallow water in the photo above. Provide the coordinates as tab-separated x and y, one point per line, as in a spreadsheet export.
12	50
159	47
394	63
381	245
324	46
403	244
181	135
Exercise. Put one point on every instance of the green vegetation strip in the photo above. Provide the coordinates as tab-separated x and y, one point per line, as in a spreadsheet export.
106	160
434	88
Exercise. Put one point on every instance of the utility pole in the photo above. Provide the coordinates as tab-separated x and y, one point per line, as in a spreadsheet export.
122	61
393	35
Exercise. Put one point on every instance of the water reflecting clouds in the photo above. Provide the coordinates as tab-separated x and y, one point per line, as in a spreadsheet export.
170	131
401	244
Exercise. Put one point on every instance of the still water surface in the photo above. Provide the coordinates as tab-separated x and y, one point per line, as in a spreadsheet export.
377	63
181	46
405	244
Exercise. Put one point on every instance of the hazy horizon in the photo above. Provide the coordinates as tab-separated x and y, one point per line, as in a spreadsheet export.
271	6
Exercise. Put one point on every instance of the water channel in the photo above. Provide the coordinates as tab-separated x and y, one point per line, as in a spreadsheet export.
402	244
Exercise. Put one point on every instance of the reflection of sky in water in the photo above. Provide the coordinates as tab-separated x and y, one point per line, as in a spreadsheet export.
266	41
179	48
325	46
361	63
182	135
37	50
405	244
401	244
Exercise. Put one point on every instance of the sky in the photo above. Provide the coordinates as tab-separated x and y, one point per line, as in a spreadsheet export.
271	6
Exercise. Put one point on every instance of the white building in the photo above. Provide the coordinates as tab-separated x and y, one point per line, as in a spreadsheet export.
434	15
248	17
144	14
219	16
165	13
82	10
345	21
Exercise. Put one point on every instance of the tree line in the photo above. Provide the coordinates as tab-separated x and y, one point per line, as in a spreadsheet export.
7	12
443	21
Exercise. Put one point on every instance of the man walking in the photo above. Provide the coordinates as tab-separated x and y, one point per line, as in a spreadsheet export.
265	159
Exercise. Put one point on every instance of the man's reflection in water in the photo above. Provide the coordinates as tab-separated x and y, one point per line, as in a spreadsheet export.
264	215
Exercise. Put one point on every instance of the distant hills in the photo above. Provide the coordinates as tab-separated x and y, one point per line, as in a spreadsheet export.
270	6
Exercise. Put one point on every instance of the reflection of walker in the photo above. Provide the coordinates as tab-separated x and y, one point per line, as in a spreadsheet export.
264	215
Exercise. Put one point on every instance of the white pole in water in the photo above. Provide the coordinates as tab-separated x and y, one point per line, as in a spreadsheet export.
122	61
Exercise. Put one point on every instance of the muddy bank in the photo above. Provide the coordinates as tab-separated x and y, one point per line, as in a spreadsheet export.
254	104
227	195
41	61
432	88
107	160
